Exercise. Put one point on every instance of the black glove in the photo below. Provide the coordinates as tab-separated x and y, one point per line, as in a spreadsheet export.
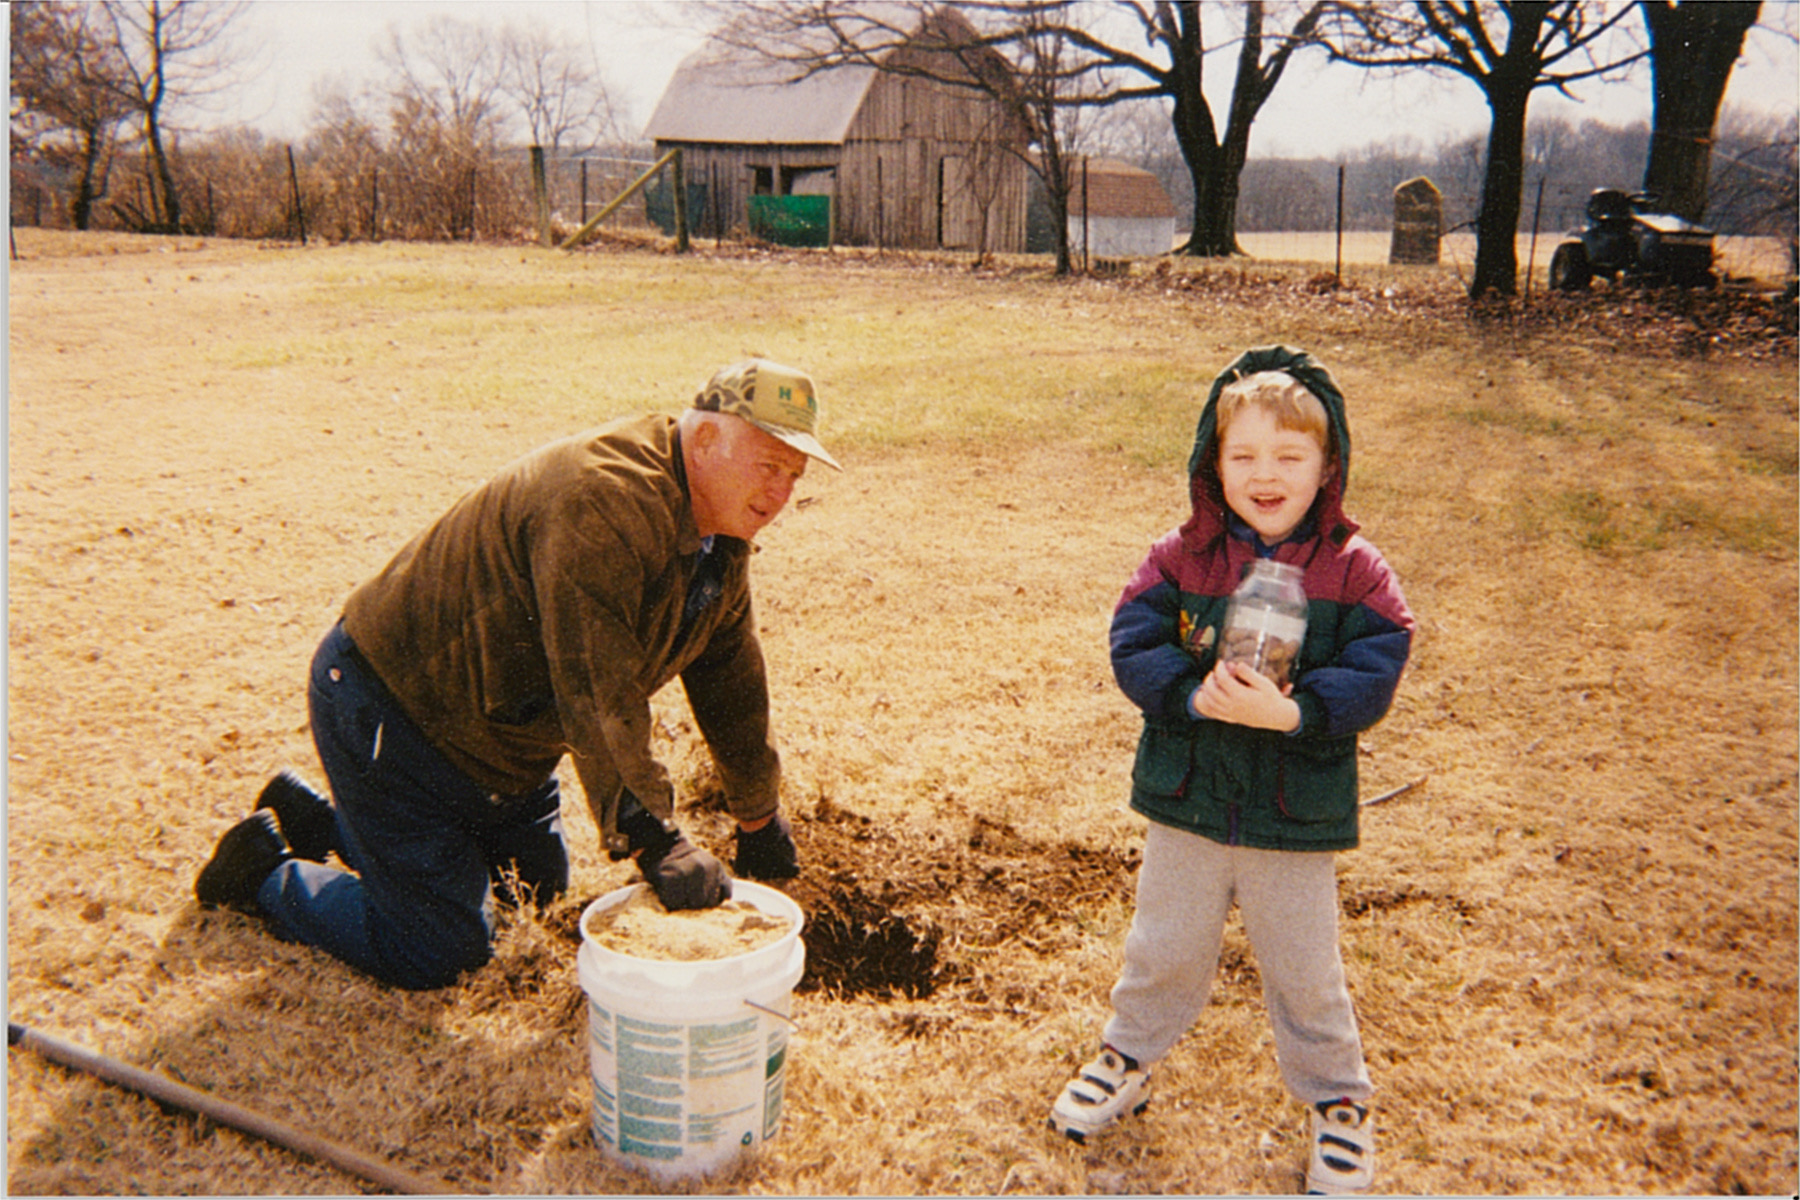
682	875
685	876
769	852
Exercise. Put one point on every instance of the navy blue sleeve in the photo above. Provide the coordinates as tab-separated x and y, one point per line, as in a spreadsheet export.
1152	669
1355	690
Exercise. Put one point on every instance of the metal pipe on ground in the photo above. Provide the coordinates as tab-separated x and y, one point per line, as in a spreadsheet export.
166	1091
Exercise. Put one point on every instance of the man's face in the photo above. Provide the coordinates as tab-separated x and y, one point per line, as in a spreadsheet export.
742	478
1270	474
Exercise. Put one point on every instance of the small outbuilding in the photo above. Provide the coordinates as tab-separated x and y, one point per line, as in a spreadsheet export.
1117	210
903	161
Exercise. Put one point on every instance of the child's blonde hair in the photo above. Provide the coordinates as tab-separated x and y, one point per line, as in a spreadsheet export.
1289	401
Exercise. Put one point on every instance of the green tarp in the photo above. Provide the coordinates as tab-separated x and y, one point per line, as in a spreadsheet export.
791	220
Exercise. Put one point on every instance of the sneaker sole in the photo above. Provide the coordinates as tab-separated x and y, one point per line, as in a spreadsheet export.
1080	1136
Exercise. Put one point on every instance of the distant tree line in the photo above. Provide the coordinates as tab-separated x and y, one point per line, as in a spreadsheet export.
435	148
1750	191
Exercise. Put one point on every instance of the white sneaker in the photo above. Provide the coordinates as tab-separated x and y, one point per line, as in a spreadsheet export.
1106	1088
1343	1149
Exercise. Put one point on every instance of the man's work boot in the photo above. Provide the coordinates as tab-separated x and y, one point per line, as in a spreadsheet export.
307	819
246	854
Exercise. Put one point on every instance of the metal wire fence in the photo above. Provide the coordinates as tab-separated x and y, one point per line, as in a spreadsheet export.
248	189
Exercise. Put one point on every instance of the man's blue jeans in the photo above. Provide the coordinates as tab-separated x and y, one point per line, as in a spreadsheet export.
424	842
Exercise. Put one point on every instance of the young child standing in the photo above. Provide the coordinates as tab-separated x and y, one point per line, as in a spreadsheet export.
1251	787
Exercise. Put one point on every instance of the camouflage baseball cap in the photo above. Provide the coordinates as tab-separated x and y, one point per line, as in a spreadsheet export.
778	400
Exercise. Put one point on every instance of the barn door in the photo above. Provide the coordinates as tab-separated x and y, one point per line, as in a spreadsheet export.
959	220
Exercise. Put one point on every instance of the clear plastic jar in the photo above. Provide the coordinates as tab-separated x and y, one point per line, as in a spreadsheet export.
1265	620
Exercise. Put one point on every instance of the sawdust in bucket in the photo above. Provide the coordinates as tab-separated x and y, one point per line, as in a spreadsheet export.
643	928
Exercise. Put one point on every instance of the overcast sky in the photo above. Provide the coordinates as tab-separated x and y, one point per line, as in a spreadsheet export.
1316	111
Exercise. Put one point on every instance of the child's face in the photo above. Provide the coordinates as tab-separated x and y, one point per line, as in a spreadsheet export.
1270	474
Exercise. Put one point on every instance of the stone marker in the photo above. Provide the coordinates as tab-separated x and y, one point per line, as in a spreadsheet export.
1418	222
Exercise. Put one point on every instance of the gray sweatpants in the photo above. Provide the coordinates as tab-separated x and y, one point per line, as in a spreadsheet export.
1289	904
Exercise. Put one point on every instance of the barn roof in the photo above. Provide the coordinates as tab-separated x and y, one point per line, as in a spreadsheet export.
714	97
1117	189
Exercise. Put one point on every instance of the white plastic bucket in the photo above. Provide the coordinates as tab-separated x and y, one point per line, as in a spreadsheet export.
689	1059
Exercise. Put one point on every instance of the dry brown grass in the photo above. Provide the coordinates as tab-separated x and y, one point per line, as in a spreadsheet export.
1573	949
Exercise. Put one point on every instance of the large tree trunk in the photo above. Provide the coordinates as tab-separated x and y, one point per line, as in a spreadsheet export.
1508	87
1056	190
168	205
1248	92
1196	134
1502	191
1217	164
1692	49
1214	232
87	186
1222	198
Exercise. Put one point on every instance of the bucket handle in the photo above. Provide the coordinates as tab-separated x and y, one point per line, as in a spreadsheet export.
772	1012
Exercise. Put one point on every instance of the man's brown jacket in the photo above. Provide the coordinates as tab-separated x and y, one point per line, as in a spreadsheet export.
539	615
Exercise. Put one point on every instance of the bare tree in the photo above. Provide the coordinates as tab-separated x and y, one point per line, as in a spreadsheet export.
983	155
1693	47
68	97
1544	43
1215	157
344	158
446	120
173	51
1040	77
559	92
1756	189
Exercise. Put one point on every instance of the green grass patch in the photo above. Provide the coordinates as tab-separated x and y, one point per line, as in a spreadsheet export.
1596	521
1512	418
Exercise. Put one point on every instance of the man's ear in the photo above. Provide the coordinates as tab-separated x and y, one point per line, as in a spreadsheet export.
706	436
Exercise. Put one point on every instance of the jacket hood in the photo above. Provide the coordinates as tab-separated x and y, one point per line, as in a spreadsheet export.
1211	517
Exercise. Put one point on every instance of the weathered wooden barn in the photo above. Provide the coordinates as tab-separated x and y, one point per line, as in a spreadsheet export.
907	161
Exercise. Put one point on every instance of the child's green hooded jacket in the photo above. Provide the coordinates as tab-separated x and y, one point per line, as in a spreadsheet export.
1232	783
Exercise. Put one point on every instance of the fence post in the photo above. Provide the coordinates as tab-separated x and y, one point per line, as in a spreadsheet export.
541	189
1088	258
681	221
294	186
1340	227
584	191
1537	211
375	205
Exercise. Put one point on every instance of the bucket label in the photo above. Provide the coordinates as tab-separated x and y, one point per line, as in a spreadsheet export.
719	1050
605	1119
707	1127
647	1049
647	1060
774	1080
630	1144
600	1023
